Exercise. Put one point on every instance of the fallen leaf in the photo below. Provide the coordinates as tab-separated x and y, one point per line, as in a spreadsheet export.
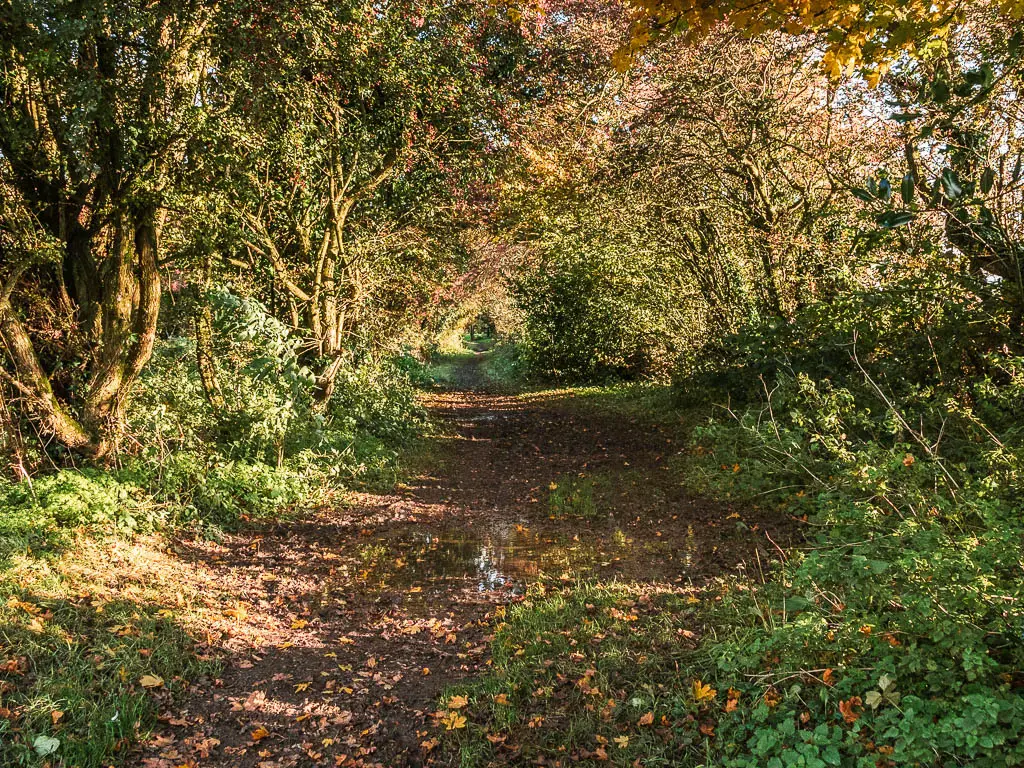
848	709
45	745
260	733
646	719
151	681
702	691
457	702
453	721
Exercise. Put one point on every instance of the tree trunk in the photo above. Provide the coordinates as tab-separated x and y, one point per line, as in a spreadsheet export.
129	303
325	383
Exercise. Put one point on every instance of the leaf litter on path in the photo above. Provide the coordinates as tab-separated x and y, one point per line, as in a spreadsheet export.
369	610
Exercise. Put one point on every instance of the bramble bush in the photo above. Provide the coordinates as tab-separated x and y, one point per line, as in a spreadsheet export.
900	624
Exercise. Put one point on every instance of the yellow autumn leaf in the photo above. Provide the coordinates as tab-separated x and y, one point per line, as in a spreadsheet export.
260	733
453	721
300	687
703	692
457	702
151	681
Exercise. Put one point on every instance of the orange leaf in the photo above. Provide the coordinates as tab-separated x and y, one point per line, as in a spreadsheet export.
453	721
260	733
848	709
646	719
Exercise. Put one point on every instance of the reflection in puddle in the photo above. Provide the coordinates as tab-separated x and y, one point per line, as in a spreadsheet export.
502	558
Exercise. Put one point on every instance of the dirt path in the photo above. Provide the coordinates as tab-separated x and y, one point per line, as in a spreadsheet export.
353	620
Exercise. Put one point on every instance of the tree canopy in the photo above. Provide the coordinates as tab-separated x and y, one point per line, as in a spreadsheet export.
865	36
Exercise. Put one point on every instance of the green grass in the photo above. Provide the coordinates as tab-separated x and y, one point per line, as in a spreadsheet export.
644	402
73	662
573	497
443	368
590	674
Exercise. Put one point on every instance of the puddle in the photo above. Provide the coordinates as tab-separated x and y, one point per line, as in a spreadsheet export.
505	557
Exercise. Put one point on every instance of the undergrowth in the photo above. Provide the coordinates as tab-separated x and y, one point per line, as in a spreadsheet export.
893	637
77	671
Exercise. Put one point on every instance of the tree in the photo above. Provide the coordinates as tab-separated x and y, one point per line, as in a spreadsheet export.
865	35
98	99
373	132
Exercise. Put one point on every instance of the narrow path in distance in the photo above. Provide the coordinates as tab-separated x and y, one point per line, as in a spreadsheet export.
352	620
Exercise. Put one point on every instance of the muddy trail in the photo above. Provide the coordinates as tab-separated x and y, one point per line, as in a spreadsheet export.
353	619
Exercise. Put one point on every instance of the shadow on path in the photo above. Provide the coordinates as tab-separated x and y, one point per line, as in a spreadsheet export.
367	611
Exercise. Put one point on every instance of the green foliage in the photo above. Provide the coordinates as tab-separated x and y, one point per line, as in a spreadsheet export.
84	661
216	492
572	497
889	421
593	313
907	456
40	515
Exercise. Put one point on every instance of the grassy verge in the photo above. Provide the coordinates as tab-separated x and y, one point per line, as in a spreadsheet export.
592	674
100	622
643	402
90	645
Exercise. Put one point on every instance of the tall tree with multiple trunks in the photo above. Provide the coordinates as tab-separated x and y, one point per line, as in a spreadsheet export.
348	139
98	99
374	130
